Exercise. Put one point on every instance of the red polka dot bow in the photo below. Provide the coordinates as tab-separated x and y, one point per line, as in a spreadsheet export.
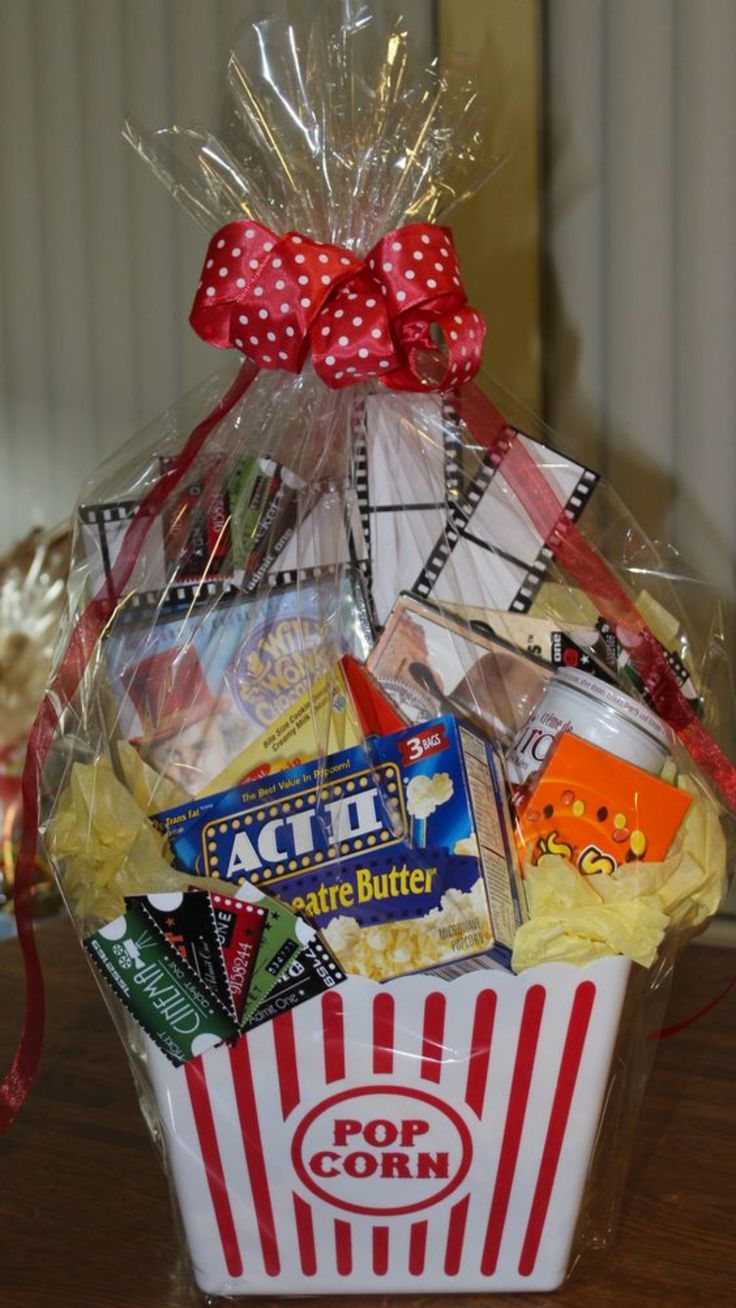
276	298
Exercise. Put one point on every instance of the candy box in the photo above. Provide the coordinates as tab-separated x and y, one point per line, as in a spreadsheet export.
293	736
193	691
400	851
599	811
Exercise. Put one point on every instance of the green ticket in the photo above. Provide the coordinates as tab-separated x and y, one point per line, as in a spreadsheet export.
285	936
158	988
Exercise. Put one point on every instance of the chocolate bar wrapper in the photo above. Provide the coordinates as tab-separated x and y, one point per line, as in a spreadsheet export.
276	525
158	988
207	531
251	488
196	525
325	716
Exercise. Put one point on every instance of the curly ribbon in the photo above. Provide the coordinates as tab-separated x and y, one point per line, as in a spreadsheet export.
276	299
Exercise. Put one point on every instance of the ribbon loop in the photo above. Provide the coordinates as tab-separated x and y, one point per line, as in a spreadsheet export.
352	339
275	298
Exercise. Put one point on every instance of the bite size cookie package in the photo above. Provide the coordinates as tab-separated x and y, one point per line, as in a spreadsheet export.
400	851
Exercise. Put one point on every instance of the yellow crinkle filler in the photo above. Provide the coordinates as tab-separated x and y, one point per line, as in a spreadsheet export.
575	919
151	791
108	848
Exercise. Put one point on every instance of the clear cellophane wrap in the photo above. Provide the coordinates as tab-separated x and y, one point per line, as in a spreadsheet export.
283	516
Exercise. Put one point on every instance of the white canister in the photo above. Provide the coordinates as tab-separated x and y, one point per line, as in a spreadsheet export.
595	711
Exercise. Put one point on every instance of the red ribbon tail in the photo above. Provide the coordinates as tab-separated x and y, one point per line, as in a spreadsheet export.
15	1088
685	1022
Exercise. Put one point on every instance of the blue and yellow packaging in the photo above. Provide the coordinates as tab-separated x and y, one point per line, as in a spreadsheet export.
399	850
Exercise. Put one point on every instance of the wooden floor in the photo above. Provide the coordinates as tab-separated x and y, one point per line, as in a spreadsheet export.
85	1220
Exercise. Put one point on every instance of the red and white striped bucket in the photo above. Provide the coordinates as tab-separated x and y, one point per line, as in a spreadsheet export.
419	1134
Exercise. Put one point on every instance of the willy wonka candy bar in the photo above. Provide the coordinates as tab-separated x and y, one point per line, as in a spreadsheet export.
409	829
194	691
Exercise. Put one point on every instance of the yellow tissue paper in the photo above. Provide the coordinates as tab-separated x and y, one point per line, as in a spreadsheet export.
107	846
569	922
576	919
151	791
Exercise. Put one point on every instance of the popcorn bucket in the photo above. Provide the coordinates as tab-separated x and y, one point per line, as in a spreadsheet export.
382	1138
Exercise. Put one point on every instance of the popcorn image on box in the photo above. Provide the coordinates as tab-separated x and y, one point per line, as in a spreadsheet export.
599	811
399	852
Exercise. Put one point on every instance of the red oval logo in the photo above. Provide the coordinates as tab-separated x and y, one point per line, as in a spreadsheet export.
382	1150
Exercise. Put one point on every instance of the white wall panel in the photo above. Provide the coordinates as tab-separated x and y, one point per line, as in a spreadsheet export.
641	210
97	263
641	304
704	272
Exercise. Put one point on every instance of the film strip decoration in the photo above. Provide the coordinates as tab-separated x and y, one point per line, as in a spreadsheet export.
175	600
178	601
102	527
360	469
627	672
360	481
328	535
488	548
454	449
404	489
199	549
312	531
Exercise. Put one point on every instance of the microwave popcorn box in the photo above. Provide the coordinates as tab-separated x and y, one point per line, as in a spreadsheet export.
417	1135
400	851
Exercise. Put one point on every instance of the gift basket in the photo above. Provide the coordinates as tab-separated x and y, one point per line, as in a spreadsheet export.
379	764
